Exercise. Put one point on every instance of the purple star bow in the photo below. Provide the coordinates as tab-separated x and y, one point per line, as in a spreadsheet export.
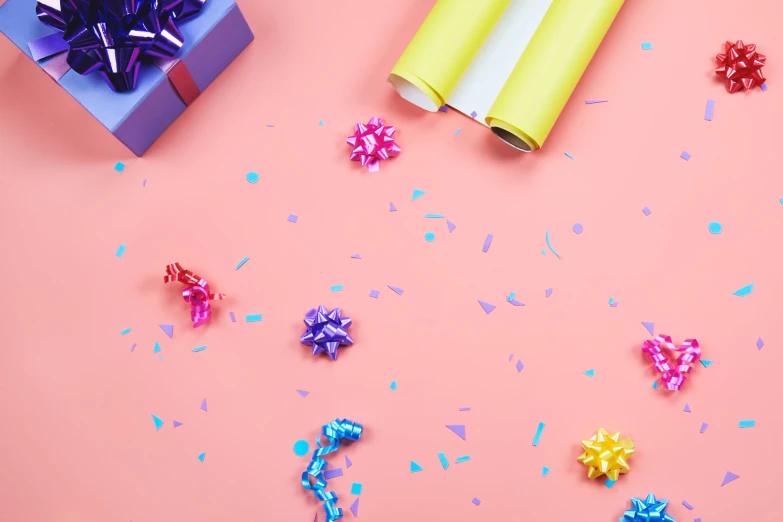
326	331
372	143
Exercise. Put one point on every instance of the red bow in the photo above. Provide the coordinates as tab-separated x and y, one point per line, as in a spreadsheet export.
741	65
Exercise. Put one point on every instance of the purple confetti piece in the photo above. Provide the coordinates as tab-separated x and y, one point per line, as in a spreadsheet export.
374	294
686	409
510	356
476	501
303	393
697	519
487	242
685	503
331	473
685	156
356	256
710	109
459	429
730	477
516	303
473	114
144	182
577	228
396	289
759	343
764	86
464	409
443	109
348	462
133	346
392	208
548	292
355	507
270	125
703	427
204	405
650	327
177	423
233	318
590	102
168	329
293	218
520	365
646	211
451	226
486	306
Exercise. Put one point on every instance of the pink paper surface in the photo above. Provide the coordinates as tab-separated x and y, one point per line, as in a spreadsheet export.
77	440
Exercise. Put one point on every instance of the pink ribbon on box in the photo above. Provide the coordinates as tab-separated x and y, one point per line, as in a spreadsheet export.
672	377
372	143
55	47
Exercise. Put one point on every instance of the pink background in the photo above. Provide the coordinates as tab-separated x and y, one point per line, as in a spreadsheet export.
77	440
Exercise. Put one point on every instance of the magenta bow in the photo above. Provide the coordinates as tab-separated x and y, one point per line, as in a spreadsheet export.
372	143
672	378
196	294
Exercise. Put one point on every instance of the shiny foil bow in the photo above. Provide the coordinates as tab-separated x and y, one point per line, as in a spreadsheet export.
326	331
113	37
313	479
196	293
672	377
741	66
606	454
372	143
647	510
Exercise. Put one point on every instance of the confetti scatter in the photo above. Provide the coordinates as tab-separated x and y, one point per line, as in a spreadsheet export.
348	462
569	155
199	349
703	427
545	471
747	424
590	372
430	237
356	488
443	461
591	102
415	467
548	292
202	456
355	508
476	501
244	260
374	294
715	228
133	346
745	290
646	46
204	404
301	447
730	477
650	327
168	329
709	110
417	194
487	243
759	343
120	250
686	409
331	473
392	208
685	155
158	422
393	386
687	505
519	365
125	331
177	423
119	167
253	318
303	393
549	244
577	228
252	177
293	218
539	431
463	458
646	211
336	288
396	289
458	429
451	226
486	306
233	317
156	348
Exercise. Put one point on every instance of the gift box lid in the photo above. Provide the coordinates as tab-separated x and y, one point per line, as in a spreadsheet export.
19	22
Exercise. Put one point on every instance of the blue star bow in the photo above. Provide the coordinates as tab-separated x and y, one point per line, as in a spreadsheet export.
326	331
647	510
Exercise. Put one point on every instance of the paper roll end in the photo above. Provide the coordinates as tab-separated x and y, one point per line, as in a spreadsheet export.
415	91
512	136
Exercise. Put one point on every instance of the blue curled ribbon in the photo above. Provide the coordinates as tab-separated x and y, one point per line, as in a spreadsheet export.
335	431
113	37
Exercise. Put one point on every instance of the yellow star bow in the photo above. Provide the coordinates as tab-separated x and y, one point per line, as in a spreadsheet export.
606	453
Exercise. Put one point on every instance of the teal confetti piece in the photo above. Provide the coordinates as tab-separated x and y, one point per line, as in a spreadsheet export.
336	288
417	193
646	46
158	421
539	431
239	265
199	349
590	372
157	347
545	472
415	467
655	385
119	167
549	244
301	447
321	122
252	177
609	483
511	296
463	458
745	290
705	362
569	155
457	131
443	461
430	237
393	386
125	331
253	318
120	250
201	456
356	488
434	216
747	424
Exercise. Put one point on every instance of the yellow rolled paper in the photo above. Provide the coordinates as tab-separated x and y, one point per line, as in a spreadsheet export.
547	72
442	49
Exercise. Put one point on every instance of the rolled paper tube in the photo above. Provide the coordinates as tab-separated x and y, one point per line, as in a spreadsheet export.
547	72
443	48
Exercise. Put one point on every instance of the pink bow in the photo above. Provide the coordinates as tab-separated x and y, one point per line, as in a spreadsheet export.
672	378
372	143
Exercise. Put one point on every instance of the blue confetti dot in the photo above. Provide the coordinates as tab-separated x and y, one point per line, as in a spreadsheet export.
252	177
715	227
301	447
429	236
578	228
393	385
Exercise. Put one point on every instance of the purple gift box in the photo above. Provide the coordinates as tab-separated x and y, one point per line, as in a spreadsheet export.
212	40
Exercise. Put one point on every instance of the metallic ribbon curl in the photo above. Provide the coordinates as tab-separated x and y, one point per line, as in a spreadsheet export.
647	510
114	36
372	143
326	331
741	66
672	377
312	478
606	454
196	294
